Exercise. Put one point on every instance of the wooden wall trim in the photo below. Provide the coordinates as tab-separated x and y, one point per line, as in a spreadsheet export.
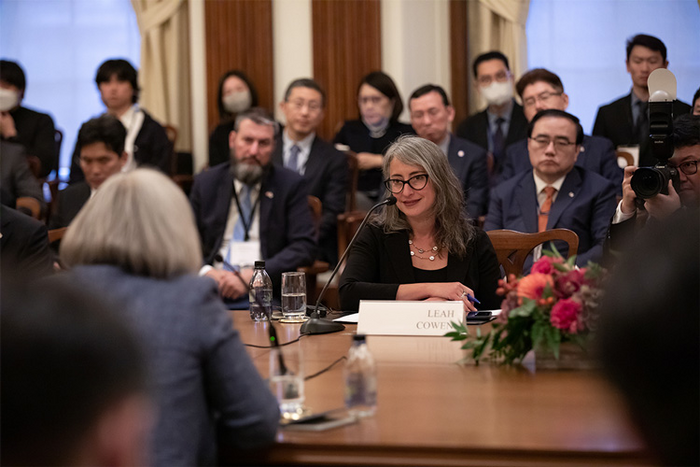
346	46
459	60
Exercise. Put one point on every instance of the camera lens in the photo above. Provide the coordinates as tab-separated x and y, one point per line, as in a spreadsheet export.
648	182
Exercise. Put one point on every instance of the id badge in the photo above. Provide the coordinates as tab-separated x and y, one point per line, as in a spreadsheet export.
245	254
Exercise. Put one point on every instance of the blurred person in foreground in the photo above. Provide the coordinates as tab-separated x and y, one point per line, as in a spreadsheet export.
423	247
649	336
73	381
136	243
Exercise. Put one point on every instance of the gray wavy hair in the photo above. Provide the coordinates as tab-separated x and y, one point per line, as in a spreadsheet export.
453	230
140	221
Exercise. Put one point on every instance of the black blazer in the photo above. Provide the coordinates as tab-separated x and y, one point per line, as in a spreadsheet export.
379	263
614	121
326	175
475	128
16	178
69	202
468	161
36	132
24	246
152	148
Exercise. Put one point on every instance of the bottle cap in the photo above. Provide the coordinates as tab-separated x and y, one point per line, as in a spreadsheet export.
260	265
359	337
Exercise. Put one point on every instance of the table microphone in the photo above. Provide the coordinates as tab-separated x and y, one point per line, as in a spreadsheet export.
274	341
317	325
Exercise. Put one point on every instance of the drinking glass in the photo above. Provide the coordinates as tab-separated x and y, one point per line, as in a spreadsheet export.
293	297
287	380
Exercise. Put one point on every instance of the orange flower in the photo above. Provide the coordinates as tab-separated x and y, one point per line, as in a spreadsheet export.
532	286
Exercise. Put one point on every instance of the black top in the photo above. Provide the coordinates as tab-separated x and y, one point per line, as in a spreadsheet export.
355	134
36	132
219	151
435	275
379	263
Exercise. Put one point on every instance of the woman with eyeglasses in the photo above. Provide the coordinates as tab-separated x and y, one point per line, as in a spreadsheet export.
380	105
423	247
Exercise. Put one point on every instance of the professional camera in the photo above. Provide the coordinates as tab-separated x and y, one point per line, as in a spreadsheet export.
648	182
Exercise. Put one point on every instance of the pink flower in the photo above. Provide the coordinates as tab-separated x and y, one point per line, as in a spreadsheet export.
569	283
565	316
545	265
532	286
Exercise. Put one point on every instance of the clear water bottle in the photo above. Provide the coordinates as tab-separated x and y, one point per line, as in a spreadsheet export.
360	379
261	287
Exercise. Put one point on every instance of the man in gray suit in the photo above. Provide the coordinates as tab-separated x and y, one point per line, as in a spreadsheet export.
17	181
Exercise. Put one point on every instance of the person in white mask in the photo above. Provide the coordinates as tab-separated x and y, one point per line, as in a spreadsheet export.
33	130
503	121
236	95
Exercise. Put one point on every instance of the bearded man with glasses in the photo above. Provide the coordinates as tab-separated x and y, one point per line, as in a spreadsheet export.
555	193
629	216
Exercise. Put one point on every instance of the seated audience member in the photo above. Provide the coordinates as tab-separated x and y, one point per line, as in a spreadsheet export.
73	381
649	337
696	102
250	209
17	180
686	141
431	117
556	193
136	244
24	245
325	170
101	147
236	94
33	130
424	246
502	122
146	143
380	106
541	89
626	121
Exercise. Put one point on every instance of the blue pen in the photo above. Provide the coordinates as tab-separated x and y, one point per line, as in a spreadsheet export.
473	299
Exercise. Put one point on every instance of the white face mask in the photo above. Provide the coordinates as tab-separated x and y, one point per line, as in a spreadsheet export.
8	99
237	102
498	93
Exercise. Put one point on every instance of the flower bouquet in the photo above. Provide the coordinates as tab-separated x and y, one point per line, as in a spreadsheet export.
556	303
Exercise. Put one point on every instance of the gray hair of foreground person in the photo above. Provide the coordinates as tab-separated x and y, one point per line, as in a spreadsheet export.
73	380
140	221
649	336
453	228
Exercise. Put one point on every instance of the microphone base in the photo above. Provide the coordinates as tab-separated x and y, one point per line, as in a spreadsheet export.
316	325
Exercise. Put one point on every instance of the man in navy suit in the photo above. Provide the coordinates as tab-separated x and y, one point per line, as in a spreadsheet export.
502	122
625	122
249	209
431	117
541	89
556	193
325	170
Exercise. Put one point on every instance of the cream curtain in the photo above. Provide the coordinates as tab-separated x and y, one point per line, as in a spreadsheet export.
164	75
497	25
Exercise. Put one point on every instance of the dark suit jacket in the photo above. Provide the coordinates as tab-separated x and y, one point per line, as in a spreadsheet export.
614	121
152	148
287	237
468	161
24	246
36	132
597	155
69	202
585	204
379	263
201	375
475	129
219	151
16	178
326	175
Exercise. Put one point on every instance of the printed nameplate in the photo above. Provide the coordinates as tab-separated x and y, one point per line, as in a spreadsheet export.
408	318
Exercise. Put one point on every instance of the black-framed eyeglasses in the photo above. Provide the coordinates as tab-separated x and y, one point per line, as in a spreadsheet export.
542	97
417	182
688	167
559	143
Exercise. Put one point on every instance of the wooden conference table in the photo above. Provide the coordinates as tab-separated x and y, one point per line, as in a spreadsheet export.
432	411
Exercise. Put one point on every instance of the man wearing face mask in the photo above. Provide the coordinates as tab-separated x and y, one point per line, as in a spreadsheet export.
502	122
33	130
249	210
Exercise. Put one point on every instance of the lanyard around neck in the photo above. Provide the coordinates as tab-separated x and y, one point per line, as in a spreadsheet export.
246	223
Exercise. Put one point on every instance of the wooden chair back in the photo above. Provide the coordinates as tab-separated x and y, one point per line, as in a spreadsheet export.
316	211
57	234
348	223
512	248
354	168
319	267
29	204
